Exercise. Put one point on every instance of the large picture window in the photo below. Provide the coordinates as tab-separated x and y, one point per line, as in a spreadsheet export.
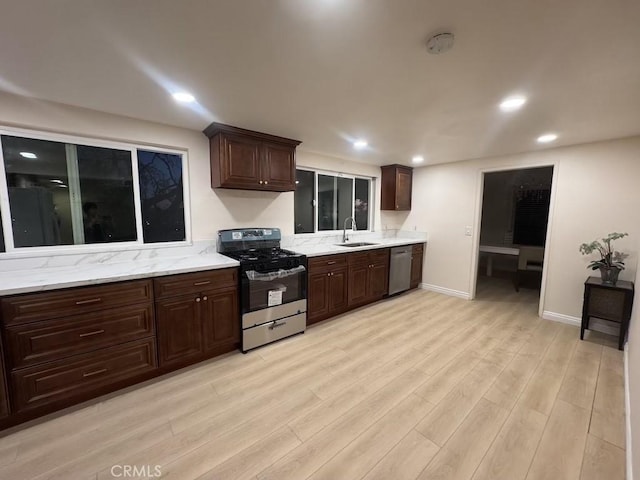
57	192
323	201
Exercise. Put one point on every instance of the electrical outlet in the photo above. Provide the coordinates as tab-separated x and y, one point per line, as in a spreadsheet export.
468	230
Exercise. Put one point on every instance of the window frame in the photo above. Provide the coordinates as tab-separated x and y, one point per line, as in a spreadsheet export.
330	173
132	147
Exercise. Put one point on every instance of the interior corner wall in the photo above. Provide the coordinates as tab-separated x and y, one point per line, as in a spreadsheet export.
633	386
211	210
596	192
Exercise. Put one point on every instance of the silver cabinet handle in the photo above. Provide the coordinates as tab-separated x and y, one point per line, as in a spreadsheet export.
198	299
204	282
265	182
333	262
89	334
260	182
275	325
205	298
97	372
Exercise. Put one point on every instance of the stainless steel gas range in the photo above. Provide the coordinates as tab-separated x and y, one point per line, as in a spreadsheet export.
273	285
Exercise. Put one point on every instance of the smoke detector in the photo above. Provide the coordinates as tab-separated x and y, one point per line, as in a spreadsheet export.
440	43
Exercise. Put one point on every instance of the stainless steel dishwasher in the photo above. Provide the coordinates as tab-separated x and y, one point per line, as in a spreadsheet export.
400	269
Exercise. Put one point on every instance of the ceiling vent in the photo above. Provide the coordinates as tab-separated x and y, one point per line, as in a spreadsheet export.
440	43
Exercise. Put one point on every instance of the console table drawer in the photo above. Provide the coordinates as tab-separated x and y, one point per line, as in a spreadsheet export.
64	380
43	306
49	340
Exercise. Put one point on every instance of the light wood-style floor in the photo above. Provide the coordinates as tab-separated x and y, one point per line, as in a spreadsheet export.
421	386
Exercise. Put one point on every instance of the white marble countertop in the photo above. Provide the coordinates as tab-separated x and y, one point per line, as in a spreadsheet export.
52	278
319	249
42	273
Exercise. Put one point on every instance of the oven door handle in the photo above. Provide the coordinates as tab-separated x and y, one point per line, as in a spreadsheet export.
274	275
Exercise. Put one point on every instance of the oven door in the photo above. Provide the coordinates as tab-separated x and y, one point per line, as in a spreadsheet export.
269	289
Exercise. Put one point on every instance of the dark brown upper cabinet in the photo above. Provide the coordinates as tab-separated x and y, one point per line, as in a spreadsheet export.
247	160
396	187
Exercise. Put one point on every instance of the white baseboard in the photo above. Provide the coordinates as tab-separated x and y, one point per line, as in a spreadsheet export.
559	317
627	414
595	324
445	291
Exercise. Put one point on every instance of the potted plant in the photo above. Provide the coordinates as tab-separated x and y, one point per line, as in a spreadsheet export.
611	261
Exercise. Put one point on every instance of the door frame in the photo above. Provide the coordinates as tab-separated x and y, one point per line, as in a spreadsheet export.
477	222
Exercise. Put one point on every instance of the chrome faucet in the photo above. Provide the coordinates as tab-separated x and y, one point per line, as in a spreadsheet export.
344	230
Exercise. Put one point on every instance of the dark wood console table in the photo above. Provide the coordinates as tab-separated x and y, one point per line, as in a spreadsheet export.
608	302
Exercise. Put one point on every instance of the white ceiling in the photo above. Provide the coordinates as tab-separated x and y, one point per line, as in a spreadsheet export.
326	71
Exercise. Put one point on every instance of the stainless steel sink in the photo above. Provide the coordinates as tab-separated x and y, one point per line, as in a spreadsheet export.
356	244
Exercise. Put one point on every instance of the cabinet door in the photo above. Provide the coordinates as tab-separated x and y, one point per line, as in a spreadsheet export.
278	167
4	399
179	329
378	281
220	317
403	189
318	296
338	291
358	284
416	267
240	162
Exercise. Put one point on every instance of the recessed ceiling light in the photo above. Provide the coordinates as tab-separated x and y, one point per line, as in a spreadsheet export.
547	137
512	104
360	144
184	97
28	155
417	159
56	181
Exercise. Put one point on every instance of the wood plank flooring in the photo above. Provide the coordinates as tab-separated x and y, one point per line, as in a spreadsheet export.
420	386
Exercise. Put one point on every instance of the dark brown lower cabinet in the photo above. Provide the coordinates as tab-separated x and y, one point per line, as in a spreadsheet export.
66	380
179	329
221	321
417	259
4	396
71	345
327	287
190	327
368	276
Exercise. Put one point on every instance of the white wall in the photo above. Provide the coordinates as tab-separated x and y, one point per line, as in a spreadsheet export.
211	210
596	193
633	364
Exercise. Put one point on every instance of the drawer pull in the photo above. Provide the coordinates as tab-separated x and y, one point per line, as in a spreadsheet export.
87	302
204	282
96	372
89	334
276	325
331	263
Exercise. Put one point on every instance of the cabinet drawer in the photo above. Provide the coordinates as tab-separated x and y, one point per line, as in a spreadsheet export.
50	340
187	283
43	306
64	380
379	256
358	258
327	262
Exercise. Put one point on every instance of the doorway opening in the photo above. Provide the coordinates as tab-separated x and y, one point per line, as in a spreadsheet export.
514	218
